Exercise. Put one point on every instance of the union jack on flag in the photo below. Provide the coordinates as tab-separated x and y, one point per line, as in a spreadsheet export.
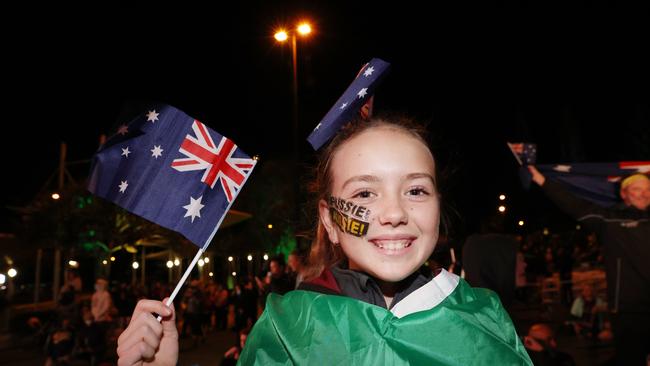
217	160
164	166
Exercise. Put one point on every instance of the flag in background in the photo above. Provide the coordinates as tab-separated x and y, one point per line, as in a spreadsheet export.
357	99
172	170
596	182
524	152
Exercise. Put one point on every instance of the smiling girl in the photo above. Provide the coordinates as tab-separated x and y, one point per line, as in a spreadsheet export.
365	301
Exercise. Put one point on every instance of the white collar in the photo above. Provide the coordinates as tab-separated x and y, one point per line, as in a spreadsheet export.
427	296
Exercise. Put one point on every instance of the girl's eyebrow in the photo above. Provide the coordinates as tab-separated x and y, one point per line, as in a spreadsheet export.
413	176
361	178
374	179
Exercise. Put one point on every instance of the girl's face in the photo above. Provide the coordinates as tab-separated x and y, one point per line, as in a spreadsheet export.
390	174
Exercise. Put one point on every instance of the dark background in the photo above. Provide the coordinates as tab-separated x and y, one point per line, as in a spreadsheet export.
571	77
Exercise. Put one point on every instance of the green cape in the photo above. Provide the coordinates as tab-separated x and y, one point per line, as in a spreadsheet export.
468	327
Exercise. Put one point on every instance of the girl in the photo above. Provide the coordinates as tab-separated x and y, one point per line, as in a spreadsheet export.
365	301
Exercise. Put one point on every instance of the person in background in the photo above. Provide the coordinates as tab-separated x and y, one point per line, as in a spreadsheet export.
541	346
624	232
294	268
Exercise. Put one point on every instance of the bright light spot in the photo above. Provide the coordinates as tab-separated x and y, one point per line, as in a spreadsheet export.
73	263
266	257
230	259
280	36
578	227
3	279
135	265
206	260
55	196
112	259
104	262
201	262
502	197
170	264
250	257
269	226
234	274
210	274
304	28
12	272
545	231
256	157
177	262
521	223
502	208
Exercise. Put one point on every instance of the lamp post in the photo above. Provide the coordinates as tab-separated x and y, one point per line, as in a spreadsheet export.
302	29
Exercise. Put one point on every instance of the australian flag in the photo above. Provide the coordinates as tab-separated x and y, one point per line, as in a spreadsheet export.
596	182
356	100
524	152
172	170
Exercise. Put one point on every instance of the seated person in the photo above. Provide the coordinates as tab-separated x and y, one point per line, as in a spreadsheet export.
542	347
588	313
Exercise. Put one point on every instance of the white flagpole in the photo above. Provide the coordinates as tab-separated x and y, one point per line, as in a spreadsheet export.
183	278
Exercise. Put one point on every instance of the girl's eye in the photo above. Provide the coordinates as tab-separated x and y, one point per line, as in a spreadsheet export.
362	194
417	192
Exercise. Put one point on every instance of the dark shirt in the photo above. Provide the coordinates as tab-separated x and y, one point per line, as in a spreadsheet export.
361	286
490	262
624	232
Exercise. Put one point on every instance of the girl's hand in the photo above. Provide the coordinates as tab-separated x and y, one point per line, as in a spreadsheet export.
147	341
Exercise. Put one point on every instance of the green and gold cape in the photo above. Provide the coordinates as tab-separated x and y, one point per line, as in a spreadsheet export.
445	322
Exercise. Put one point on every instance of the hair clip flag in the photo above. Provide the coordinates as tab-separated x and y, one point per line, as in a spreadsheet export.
357	98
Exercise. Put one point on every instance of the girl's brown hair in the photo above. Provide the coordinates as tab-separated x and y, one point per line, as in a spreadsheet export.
323	252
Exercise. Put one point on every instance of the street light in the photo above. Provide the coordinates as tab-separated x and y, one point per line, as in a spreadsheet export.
302	29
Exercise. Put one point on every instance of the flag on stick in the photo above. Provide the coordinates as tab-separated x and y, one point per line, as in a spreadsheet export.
172	170
524	152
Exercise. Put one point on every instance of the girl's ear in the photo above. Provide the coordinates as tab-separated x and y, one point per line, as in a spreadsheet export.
326	220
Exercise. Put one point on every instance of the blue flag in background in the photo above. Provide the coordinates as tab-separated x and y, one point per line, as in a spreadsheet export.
346	108
172	170
596	182
524	152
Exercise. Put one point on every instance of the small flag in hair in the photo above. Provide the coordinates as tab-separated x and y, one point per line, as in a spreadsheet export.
524	152
172	170
356	100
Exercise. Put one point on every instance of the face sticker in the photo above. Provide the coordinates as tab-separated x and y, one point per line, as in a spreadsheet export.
349	217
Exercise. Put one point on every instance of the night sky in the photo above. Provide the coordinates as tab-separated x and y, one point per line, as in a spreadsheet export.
573	79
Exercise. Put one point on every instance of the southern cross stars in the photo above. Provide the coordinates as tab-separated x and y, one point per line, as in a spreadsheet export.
194	208
369	71
156	151
123	185
152	116
126	152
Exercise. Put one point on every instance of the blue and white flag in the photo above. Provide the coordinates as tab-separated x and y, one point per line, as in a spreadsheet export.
356	99
173	170
596	182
